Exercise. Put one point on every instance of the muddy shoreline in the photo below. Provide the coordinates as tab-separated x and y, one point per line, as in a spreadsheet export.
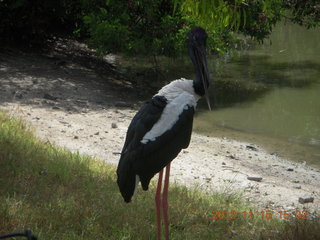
72	106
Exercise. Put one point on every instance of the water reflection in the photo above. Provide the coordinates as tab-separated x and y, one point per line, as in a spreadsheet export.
284	78
268	95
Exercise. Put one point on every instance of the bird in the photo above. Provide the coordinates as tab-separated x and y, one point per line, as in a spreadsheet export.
161	129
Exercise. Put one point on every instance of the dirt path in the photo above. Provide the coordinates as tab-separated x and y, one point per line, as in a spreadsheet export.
70	105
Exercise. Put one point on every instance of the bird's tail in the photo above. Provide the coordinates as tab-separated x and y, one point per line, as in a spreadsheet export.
126	179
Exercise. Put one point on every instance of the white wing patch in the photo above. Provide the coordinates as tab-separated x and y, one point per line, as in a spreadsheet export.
170	116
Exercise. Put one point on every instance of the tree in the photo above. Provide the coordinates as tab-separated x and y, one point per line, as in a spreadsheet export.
153	27
306	13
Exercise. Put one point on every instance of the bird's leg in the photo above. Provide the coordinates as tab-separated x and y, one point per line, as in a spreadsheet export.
158	205
165	202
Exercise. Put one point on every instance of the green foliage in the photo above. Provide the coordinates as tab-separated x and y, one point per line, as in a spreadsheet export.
306	13
259	17
144	27
106	35
254	18
148	27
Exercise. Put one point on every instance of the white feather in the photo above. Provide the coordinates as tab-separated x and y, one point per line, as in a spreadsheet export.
180	95
175	88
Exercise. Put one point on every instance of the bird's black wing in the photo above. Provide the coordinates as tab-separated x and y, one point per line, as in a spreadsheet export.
147	159
141	123
153	156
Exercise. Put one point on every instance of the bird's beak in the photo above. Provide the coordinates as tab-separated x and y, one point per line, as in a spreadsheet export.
205	75
206	79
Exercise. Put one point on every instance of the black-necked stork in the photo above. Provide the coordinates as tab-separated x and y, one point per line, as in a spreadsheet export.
161	128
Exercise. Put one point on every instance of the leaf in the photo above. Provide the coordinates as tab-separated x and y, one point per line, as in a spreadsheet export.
18	4
244	15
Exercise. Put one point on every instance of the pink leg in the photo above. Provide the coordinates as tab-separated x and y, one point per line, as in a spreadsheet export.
165	202
158	205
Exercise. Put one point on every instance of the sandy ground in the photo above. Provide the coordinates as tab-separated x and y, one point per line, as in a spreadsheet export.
73	106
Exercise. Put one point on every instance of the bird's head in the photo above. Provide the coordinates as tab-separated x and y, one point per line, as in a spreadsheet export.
197	38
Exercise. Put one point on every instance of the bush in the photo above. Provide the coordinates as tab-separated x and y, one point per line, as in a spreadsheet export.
137	27
30	22
148	27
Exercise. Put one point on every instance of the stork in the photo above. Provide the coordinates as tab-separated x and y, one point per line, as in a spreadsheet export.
161	128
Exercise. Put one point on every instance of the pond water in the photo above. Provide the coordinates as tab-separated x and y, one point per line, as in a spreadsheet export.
285	119
267	94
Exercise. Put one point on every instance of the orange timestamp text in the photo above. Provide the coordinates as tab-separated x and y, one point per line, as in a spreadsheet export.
263	214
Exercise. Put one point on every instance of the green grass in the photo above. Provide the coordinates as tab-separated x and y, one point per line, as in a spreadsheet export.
61	195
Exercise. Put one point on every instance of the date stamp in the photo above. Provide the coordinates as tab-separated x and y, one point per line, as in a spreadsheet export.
263	214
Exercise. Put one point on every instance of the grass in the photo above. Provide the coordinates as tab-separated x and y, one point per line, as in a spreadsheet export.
61	195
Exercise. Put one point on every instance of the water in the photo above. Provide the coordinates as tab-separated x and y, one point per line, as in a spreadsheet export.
286	117
267	95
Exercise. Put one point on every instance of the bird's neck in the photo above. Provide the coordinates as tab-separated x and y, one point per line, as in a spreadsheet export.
175	88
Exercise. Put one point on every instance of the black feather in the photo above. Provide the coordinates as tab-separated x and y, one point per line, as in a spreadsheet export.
148	159
142	122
